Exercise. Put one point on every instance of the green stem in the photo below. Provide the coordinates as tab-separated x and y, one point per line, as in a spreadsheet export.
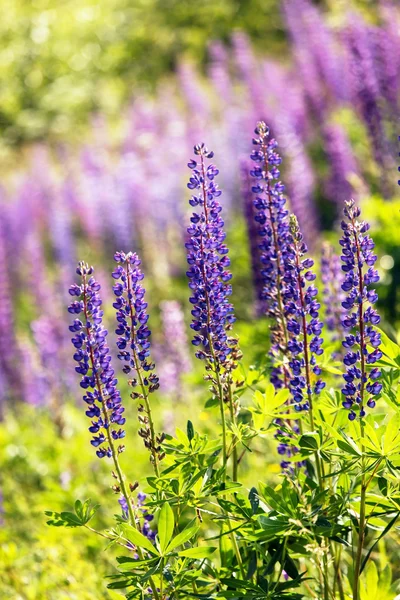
107	537
361	532
234	450
114	453
311	412
361	528
222	412
338	575
237	551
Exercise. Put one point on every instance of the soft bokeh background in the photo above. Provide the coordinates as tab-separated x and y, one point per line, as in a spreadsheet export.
100	105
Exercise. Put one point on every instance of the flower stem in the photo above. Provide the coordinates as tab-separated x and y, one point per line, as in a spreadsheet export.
114	452
234	449
310	410
361	526
145	393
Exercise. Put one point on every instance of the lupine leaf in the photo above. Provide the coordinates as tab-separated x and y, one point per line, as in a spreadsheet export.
254	500
139	539
199	552
182	537
190	430
166	524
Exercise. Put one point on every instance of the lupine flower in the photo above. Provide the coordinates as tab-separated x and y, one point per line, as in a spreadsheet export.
362	385
331	277
208	274
94	364
304	326
133	334
273	228
134	344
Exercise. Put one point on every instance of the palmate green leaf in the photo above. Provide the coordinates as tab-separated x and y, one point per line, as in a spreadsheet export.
274	525
270	400
134	562
349	445
83	513
391	437
372	435
166	524
64	519
199	552
119	585
184	536
310	442
138	539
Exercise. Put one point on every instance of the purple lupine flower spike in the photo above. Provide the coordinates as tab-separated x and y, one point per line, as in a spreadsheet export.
273	228
304	326
361	382
208	274
94	364
133	333
333	296
134	344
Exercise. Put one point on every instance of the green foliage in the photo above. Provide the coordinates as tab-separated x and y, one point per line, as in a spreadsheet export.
61	61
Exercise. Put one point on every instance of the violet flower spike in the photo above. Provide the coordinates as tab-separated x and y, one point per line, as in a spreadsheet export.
94	364
273	229
134	344
304	326
208	275
208	260
133	334
358	260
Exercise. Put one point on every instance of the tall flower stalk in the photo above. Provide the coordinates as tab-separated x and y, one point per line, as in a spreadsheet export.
209	277
304	326
305	343
98	380
273	228
213	317
362	386
134	345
